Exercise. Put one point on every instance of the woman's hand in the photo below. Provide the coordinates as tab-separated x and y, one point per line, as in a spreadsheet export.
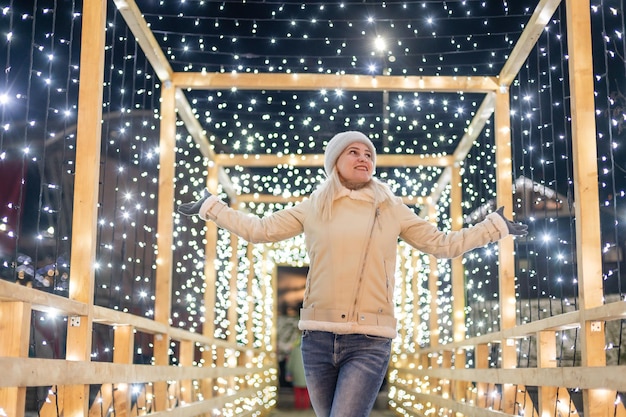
193	208
515	229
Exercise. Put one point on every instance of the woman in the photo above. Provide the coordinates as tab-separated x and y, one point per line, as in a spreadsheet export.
351	224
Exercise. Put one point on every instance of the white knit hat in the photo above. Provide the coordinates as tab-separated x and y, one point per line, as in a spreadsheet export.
339	142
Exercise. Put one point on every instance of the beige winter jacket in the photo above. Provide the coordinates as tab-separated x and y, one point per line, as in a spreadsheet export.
353	257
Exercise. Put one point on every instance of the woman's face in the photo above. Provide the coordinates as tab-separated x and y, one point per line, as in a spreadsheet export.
355	165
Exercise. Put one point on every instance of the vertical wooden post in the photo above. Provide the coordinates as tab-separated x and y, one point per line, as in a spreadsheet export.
433	287
85	212
482	362
506	265
418	290
458	281
446	363
433	316
546	358
186	359
234	272
124	346
165	228
587	204
274	329
15	330
250	294
210	279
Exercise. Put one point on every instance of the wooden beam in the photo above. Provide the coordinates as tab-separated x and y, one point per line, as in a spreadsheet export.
270	198
15	330
34	372
433	286
482	116
305	81
41	300
232	270
506	260
527	41
165	228
159	62
476	126
586	195
199	135
165	220
86	187
609	378
563	321
145	38
317	160
195	129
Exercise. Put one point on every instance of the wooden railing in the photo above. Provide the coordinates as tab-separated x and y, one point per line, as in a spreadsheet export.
212	374
430	382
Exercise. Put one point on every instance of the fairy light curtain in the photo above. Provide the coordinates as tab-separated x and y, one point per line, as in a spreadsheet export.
38	92
609	26
37	118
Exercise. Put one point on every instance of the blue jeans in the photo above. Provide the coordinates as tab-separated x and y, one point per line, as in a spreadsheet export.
344	372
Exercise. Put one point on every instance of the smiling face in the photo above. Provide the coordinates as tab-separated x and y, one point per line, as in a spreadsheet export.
355	165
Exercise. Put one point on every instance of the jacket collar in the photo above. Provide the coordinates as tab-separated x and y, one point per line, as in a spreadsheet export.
364	194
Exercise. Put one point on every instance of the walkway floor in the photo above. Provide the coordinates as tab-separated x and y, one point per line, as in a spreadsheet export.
285	407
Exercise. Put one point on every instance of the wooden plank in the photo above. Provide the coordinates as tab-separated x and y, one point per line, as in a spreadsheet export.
607	312
482	362
123	353
527	41
546	358
103	401
435	402
563	321
418	291
86	187
199	135
41	300
54	403
307	81
250	295
34	372
159	62
15	336
317	160
165	222
112	317
233	270
458	280
143	34
165	228
210	279
457	268
209	405
506	259
433	287
193	126
476	126
186	358
609	378
586	195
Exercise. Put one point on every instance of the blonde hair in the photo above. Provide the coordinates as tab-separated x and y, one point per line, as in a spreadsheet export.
325	194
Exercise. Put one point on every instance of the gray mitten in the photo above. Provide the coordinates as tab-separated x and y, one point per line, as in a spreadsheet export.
515	229
193	208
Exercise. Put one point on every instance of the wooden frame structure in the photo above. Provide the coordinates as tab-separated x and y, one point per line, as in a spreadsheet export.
433	380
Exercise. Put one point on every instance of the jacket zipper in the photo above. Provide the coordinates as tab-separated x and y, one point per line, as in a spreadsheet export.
352	313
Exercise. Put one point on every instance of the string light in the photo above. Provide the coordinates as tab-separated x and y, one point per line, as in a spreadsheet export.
420	38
